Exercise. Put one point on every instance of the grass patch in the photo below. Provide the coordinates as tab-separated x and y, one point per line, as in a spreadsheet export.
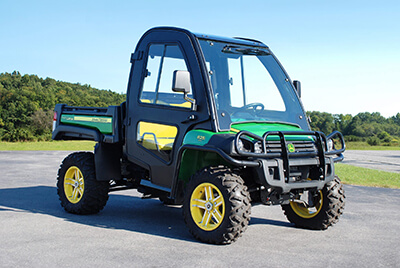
367	177
362	145
48	146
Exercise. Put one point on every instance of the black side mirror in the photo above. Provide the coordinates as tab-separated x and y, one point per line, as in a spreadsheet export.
297	86
181	83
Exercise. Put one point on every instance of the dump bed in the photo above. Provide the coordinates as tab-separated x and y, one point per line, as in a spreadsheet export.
88	123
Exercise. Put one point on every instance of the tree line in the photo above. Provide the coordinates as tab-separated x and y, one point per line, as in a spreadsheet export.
27	103
370	127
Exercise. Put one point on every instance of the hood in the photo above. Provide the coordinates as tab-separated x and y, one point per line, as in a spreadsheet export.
260	128
202	137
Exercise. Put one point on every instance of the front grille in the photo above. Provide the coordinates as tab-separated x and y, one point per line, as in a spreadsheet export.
299	146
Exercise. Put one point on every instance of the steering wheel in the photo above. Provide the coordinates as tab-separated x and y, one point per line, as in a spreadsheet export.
251	108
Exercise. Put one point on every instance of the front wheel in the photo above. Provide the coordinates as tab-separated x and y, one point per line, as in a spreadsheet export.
317	210
216	206
77	187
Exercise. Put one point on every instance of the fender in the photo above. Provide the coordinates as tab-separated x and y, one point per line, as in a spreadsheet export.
107	161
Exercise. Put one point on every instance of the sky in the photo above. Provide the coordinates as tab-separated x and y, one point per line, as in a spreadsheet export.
345	53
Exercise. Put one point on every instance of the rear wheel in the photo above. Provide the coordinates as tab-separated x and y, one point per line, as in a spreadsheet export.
216	206
317	210
77	187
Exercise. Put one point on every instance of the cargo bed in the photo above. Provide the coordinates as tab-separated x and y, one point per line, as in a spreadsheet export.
87	123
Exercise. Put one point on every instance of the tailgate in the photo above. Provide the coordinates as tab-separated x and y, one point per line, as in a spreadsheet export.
87	123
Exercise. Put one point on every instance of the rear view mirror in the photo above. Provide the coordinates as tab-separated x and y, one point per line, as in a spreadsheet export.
181	83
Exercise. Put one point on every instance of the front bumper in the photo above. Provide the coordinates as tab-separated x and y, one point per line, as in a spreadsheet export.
272	174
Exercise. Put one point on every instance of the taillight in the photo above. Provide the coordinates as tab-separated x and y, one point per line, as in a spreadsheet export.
54	120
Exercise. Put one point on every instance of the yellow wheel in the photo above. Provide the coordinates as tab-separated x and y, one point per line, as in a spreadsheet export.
317	210
216	205
74	184
77	187
308	209
207	206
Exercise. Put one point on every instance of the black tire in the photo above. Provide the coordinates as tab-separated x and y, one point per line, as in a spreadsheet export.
77	187
231	204
333	200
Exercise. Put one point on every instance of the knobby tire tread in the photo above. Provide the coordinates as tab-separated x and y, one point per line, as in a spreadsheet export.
95	194
239	206
333	206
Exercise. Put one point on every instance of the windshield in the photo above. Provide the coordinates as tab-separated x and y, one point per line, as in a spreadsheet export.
249	85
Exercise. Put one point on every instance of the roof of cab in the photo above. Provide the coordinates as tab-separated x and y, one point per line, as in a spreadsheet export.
235	40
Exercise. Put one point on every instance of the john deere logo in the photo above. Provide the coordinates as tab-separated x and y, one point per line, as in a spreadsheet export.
291	148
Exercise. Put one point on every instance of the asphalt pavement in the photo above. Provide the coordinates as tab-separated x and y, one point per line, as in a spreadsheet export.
381	160
131	232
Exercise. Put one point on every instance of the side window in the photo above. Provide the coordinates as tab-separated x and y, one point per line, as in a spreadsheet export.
157	138
162	61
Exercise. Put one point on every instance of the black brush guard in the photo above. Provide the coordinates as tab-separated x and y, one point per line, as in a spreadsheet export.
275	166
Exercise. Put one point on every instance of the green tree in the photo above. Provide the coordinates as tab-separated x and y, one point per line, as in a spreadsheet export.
41	122
26	101
322	122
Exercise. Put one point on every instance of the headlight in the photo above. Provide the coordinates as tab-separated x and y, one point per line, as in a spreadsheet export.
258	147
244	145
240	145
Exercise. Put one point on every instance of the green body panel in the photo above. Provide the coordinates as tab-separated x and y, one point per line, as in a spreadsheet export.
198	137
201	137
102	123
193	161
259	128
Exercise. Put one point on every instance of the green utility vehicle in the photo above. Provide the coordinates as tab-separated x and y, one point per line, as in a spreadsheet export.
210	123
